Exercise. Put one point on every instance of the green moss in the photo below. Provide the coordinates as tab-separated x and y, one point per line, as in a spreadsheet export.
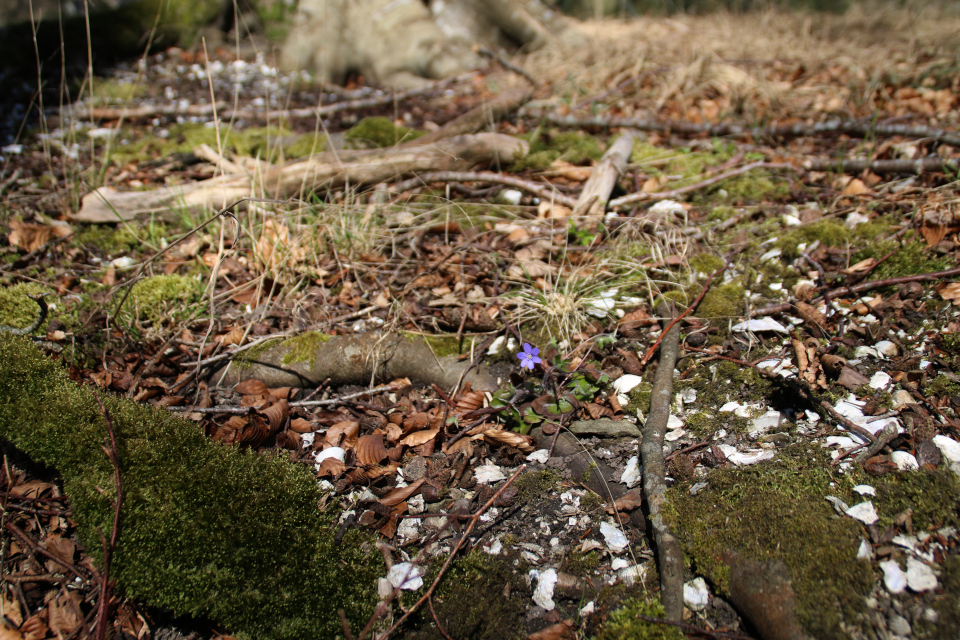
706	262
624	624
574	147
912	259
829	232
590	502
161	299
205	530
721	213
378	131
303	348
941	386
934	497
640	398
533	485
777	510
244	359
946	604
752	187
441	345
471	600
722	302
581	563
17	309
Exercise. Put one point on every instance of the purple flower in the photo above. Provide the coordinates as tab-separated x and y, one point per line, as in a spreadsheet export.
528	357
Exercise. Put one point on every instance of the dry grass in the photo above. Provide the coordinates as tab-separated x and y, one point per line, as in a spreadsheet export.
772	64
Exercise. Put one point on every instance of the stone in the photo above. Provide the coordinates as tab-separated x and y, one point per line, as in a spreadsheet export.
920	577
767	422
696	595
894	578
905	461
605	428
864	512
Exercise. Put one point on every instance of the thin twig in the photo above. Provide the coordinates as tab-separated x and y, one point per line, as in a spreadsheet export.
240	411
644	196
506	64
543	191
693	305
797	388
669	553
113	454
474	518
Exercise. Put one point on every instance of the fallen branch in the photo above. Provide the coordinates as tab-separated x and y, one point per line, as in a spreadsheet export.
242	411
477	118
542	191
669	554
643	196
834	125
324	170
596	192
859	165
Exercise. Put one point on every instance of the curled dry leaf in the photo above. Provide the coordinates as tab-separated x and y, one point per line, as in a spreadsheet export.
510	438
343	434
950	291
811	315
400	494
469	401
301	425
276	415
377	471
464	445
31	237
32	489
331	467
627	502
393	432
804	291
417	438
370	449
832	364
252	388
860	267
234	336
560	631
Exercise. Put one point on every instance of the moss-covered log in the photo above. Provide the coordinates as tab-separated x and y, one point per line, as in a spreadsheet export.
205	530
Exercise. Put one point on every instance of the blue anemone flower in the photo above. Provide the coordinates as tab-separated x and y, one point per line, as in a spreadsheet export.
528	357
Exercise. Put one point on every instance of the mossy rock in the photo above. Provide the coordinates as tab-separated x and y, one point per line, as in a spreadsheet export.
205	530
377	131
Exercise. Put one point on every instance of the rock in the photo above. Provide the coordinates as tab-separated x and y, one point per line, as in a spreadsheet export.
950	449
920	577
928	454
605	428
901	398
614	538
899	625
768	421
893	576
696	595
546	582
904	461
631	474
864	512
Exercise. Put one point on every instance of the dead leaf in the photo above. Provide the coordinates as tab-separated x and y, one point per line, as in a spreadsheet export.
559	631
400	494
531	269
276	415
950	291
417	438
934	234
252	387
811	315
343	434
32	489
464	445
31	237
370	449
331	467
34	628
860	267
596	411
853	187
510	439
62	613
851	379
629	501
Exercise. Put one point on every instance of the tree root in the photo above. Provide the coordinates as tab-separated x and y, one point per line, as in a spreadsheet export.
309	359
669	554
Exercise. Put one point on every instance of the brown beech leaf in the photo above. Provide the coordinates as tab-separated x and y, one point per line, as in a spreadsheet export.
804	291
234	336
469	401
879	466
31	237
417	438
370	449
393	432
510	438
32	489
252	387
331	467
596	411
343	434
398	495
390	528
832	364
950	291
559	631
860	267
280	393
464	445
301	425
63	547
288	440
62	613
377	471
416	421
811	315
630	362
933	234
34	628
276	415
852	379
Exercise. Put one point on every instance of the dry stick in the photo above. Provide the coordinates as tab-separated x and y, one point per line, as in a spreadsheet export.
834	125
693	305
703	184
506	64
925	400
27	542
796	387
453	552
859	165
669	554
240	411
114	456
477	118
860	288
596	192
542	191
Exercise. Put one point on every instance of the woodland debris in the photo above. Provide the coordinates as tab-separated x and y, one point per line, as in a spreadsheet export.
596	192
296	179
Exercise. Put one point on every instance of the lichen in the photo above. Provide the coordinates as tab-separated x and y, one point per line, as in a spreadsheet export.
303	347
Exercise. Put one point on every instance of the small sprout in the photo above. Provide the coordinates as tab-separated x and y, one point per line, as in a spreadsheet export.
529	356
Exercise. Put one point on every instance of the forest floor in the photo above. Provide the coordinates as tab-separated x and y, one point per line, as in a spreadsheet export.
793	186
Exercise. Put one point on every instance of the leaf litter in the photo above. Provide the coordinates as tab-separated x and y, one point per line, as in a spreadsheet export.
414	462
